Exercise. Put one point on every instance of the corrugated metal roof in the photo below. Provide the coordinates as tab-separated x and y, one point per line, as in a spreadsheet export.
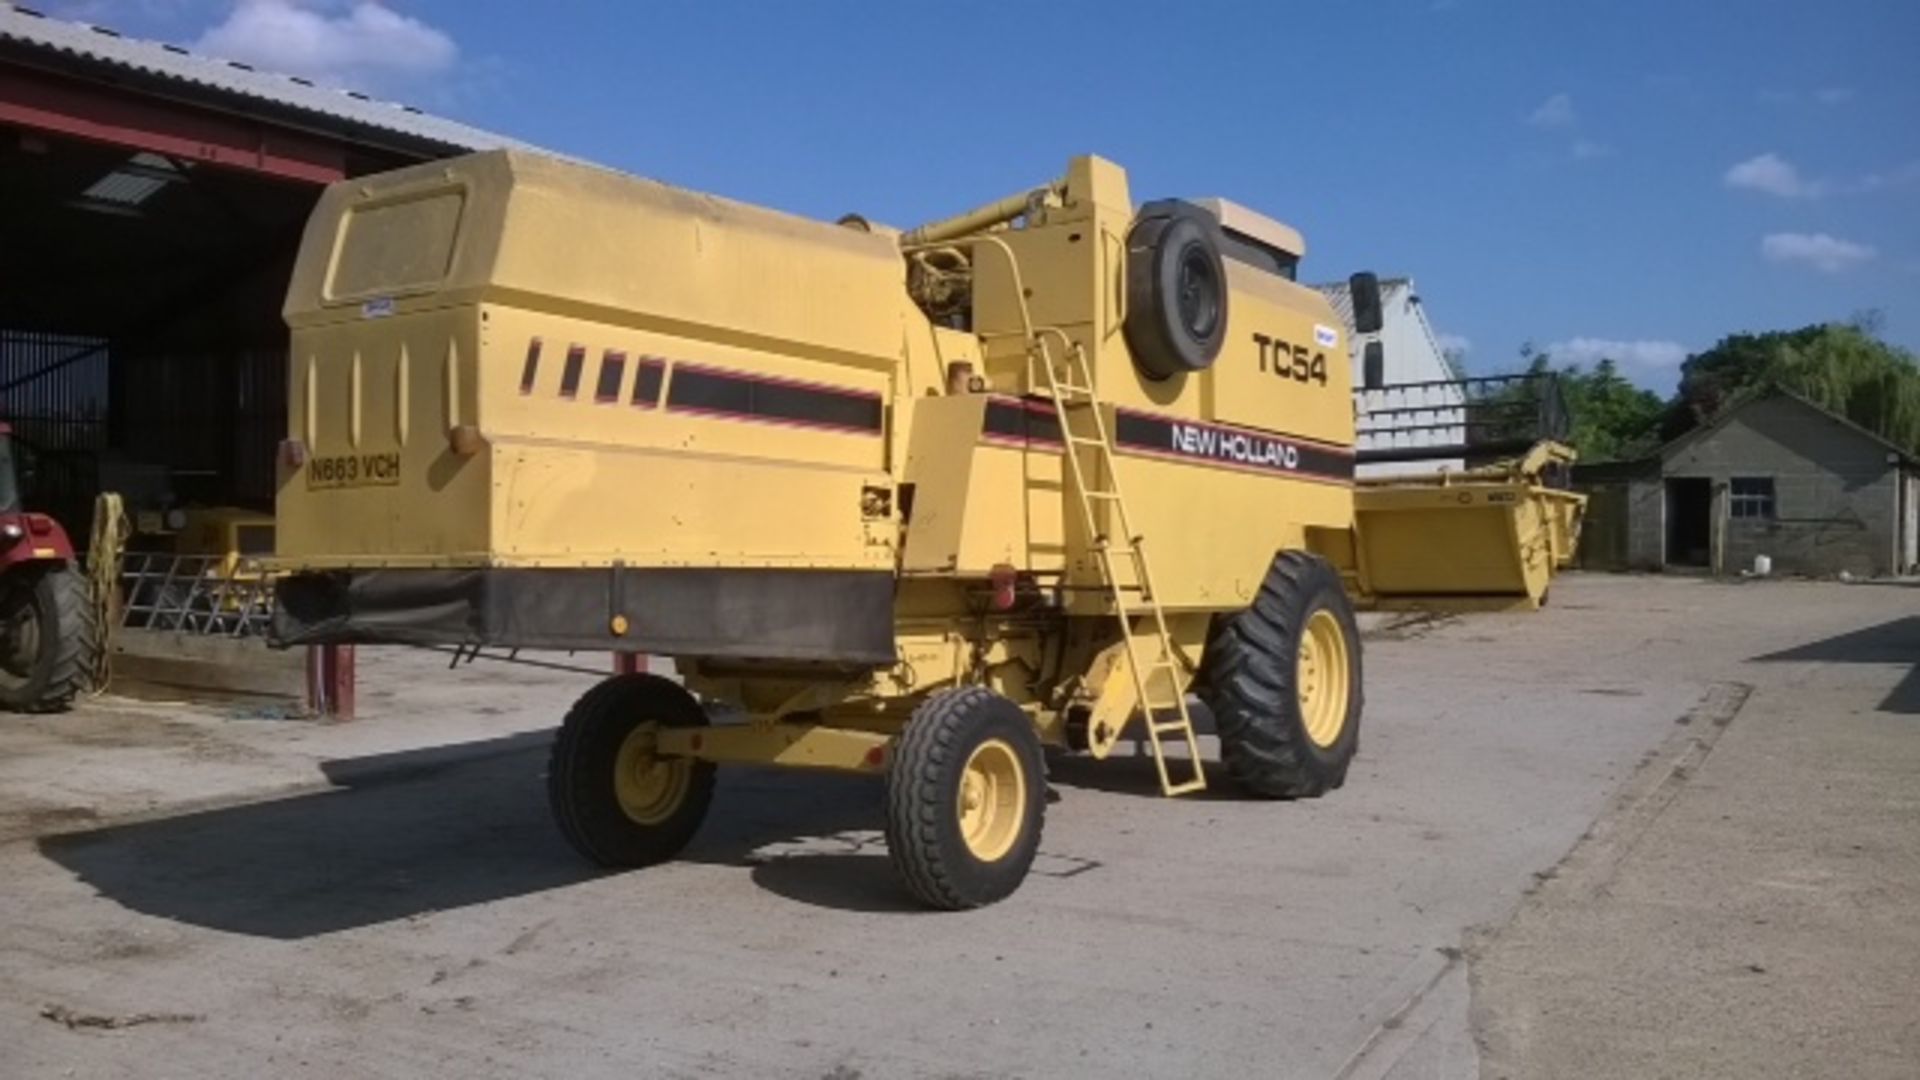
232	82
1391	289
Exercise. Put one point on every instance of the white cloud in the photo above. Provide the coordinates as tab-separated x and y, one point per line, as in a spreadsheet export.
110	12
1453	343
333	42
1636	356
1774	175
1829	96
1555	112
1900	177
1827	254
1588	150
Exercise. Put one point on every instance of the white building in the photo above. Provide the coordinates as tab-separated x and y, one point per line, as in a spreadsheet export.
1417	401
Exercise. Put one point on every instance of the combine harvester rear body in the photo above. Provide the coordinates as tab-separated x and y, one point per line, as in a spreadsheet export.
1056	471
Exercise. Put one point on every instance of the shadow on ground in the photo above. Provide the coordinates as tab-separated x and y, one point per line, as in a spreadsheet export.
1128	774
1894	642
412	833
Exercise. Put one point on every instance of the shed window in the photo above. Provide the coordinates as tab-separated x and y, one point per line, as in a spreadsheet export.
1751	497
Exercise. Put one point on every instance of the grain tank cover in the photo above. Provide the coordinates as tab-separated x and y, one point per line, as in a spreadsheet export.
1256	229
547	231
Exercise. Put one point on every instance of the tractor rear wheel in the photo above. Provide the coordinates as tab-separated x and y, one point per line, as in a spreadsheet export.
616	801
965	799
1283	681
49	638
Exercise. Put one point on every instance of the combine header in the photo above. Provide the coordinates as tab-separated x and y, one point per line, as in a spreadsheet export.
1462	503
1060	470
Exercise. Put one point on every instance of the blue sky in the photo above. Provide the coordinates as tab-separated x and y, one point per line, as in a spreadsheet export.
1636	177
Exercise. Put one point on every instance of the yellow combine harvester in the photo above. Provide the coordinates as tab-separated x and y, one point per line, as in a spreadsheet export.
914	503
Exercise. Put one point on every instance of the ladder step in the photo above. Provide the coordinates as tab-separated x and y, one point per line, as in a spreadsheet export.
1168	728
1111	496
1198	783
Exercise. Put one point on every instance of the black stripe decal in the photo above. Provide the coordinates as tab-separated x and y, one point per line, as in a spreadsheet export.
707	390
646	382
531	370
613	369
570	375
1031	421
1215	444
1021	421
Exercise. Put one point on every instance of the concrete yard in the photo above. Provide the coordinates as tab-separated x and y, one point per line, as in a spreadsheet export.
1663	828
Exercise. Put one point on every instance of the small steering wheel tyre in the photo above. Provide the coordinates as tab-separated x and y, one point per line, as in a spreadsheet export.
966	799
1176	282
616	801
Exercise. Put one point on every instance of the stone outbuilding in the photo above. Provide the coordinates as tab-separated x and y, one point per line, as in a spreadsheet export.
1775	476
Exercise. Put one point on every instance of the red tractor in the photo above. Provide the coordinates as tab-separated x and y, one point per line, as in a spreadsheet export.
49	632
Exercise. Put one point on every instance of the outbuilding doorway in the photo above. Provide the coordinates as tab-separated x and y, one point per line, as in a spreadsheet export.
1689	521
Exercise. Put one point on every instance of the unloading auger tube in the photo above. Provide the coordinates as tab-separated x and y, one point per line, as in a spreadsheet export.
1096	485
1001	212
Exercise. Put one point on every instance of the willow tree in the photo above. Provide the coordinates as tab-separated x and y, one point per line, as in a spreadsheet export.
1842	367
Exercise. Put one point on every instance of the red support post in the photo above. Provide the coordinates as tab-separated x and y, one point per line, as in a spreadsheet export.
343	681
629	663
330	681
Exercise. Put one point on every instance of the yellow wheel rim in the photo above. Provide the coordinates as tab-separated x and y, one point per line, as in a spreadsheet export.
992	800
649	788
1325	677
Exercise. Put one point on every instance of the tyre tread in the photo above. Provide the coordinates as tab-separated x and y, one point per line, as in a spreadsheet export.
929	749
1247	678
591	732
67	671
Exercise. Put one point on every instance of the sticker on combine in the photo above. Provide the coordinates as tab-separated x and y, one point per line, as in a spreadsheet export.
354	470
377	308
1325	336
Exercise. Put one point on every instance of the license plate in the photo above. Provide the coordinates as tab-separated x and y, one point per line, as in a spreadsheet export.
354	470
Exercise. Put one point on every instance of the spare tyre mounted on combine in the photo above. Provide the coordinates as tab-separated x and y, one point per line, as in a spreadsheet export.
1055	472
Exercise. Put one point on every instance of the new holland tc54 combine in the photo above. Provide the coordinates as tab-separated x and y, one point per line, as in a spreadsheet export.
1057	471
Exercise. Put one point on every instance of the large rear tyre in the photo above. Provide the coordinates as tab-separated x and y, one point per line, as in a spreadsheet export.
49	638
616	802
965	799
1283	681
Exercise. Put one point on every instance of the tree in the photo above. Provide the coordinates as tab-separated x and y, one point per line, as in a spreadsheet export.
1611	419
1842	367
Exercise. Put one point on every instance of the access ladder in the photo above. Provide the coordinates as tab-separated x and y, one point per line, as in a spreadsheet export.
1157	681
